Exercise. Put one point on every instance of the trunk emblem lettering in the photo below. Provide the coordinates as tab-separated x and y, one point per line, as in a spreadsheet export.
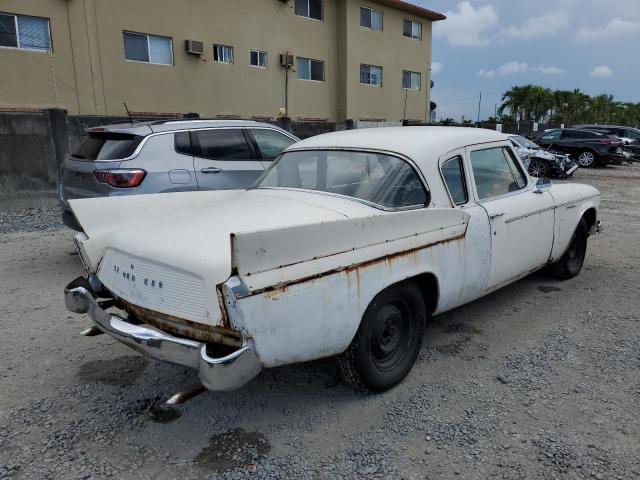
130	276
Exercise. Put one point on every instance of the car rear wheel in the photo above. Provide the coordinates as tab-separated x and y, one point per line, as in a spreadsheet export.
388	340
587	159
538	168
570	264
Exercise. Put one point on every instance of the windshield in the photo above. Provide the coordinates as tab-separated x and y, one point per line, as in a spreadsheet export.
377	178
525	142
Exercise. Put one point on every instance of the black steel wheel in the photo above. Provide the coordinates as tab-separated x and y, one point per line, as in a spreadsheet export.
388	340
570	264
539	168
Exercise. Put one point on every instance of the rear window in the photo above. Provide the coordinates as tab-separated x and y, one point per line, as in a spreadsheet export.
107	146
377	178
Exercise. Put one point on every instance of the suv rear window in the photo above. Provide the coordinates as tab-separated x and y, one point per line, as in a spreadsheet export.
107	146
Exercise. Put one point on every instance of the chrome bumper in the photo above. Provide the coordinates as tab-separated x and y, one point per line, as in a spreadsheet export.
597	228
225	373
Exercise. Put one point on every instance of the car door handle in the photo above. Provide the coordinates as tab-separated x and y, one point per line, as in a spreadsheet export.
496	215
211	170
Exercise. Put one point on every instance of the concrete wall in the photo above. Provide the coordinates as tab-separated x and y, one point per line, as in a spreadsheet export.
86	72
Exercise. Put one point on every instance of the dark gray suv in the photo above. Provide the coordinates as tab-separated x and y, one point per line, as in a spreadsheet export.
168	156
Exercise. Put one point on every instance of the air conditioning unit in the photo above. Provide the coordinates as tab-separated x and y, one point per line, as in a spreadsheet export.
286	60
194	47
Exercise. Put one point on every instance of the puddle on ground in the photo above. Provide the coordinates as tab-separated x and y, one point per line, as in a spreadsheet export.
462	328
233	449
548	289
119	372
155	411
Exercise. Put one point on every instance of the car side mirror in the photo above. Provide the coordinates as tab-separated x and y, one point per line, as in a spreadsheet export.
542	185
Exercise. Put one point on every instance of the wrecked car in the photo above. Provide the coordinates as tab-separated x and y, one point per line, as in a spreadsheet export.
541	162
343	248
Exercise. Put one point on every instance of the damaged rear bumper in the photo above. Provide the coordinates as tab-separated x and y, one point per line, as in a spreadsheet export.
224	373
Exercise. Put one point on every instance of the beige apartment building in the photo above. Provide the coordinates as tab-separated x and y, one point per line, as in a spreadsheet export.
320	59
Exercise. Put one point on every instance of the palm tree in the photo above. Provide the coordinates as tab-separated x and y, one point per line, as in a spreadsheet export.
535	103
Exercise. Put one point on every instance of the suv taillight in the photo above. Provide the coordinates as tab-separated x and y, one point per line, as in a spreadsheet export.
120	178
607	141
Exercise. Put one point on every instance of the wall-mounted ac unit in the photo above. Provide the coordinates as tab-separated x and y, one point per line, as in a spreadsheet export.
194	47
286	60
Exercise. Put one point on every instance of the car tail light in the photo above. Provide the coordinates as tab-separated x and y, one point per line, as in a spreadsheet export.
121	178
607	141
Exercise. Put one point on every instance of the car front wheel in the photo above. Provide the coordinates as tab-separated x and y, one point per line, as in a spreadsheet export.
570	264
538	168
388	340
587	159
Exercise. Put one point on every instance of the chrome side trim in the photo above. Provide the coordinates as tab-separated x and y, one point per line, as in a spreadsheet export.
529	214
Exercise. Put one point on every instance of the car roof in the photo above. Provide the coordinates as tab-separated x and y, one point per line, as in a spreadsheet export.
423	145
146	128
597	127
409	141
574	130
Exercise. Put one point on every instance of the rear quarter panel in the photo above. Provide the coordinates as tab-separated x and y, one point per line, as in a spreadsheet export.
297	306
167	170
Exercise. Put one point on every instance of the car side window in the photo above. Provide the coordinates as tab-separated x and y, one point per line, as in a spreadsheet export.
632	134
575	134
551	136
270	142
183	143
222	144
454	179
495	172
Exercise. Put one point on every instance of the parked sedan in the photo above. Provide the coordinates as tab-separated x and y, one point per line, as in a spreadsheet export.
168	156
540	162
344	248
589	148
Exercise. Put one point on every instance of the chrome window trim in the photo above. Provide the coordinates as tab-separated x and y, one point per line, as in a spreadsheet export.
464	178
486	146
411	163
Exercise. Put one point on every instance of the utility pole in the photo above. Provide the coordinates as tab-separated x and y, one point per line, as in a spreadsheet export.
479	105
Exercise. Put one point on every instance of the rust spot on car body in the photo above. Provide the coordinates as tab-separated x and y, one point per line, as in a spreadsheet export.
276	290
184	328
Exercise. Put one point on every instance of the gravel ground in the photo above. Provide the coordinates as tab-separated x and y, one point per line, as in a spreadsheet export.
539	380
30	220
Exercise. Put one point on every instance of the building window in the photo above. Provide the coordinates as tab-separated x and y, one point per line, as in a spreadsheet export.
140	47
411	80
258	58
29	33
370	75
370	18
412	29
310	69
310	8
222	54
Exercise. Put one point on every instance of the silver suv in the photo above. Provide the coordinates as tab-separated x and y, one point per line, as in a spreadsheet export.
168	156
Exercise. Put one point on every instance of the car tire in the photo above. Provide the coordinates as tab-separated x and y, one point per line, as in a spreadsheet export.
538	168
388	340
570	264
587	159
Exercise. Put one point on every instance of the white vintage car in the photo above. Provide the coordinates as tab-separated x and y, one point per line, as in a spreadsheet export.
343	248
